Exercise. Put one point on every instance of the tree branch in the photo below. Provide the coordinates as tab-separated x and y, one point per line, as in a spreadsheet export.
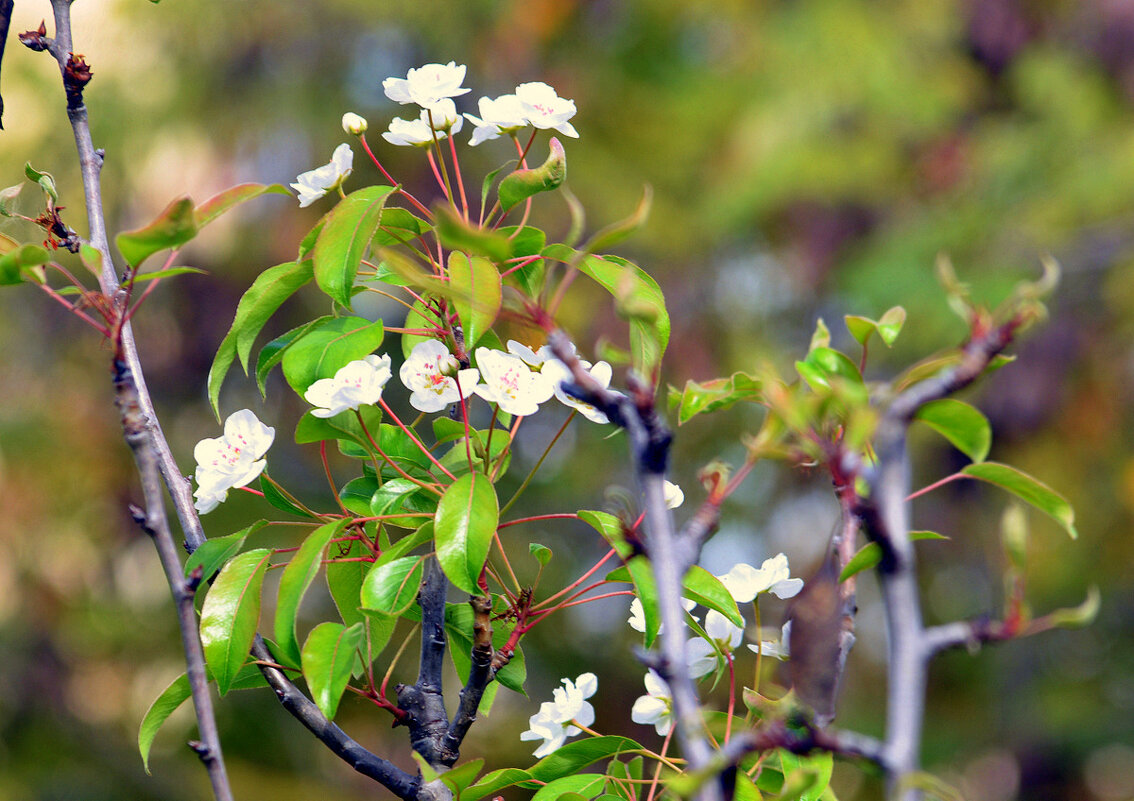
402	784
886	518
480	674
670	554
154	521
424	702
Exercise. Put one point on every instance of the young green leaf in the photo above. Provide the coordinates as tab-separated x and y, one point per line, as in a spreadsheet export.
460	777
1028	489
963	425
570	788
276	498
220	203
888	326
214	552
466	520
870	554
523	183
296	578
492	783
617	232
717	393
175	226
270	289
231	613
328	657
477	294
457	234
18	265
344	239
44	179
706	589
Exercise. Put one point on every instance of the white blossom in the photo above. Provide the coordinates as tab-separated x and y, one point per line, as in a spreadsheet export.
432	374
656	706
553	722
509	382
356	384
701	655
427	84
443	116
744	582
546	109
558	372
637	618
411	132
674	496
231	460
779	650
313	184
354	124
502	115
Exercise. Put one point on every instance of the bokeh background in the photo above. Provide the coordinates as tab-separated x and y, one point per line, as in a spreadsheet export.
809	158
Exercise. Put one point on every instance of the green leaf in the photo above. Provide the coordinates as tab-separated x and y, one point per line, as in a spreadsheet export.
391	588
8	199
707	590
321	351
273	353
175	226
870	554
328	658
398	226
141	278
1029	490
220	203
15	263
460	777
541	553
270	289
717	393
174	696
821	338
1078	616
822	364
477	294
617	232
569	758
403	495
467	516
888	326
276	498
211	555
231	613
960	423
570	788
44	179
458	235
296	578
523	183
344	581
527	241
344	239
819	766
492	783
418	316
638	299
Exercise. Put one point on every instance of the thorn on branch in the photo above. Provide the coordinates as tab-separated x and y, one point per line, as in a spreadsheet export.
35	40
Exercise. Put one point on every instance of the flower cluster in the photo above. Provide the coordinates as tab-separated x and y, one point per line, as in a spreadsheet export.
433	87
554	722
231	460
357	384
702	654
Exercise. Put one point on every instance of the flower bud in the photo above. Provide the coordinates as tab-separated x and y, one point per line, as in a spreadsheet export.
354	124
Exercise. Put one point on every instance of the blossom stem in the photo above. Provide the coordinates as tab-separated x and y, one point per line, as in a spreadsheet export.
731	695
578	581
416	441
408	195
759	644
51	293
443	181
424	485
523	263
657	770
330	478
507	563
507	448
460	179
523	486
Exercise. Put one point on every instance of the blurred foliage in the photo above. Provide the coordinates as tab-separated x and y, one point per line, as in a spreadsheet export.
808	158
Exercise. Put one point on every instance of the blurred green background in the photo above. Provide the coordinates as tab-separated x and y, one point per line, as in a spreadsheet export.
809	158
